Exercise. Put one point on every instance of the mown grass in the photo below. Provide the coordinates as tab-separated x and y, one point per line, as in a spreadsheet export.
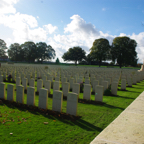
29	127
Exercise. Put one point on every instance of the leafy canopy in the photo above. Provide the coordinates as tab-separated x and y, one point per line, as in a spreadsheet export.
124	51
100	50
15	52
57	61
45	52
74	54
3	47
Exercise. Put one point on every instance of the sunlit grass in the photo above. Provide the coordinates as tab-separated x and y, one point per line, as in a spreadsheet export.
28	127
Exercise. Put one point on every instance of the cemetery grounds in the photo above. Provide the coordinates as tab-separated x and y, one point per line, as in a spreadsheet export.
19	125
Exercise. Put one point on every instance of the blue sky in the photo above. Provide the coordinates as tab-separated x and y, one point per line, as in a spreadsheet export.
68	23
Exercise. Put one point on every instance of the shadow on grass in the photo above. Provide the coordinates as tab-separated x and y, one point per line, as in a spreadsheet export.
118	96
63	117
112	107
101	104
87	126
138	87
133	91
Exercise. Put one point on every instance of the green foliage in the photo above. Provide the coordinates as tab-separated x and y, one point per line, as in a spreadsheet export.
123	50
57	61
44	52
3	47
89	58
15	52
30	51
100	50
74	54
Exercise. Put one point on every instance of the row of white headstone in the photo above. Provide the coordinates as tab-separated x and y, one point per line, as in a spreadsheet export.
66	88
72	99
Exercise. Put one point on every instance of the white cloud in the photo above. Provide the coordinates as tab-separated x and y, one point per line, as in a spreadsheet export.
6	6
140	45
24	27
79	33
50	29
18	21
27	34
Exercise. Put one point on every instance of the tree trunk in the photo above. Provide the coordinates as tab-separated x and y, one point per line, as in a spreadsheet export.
99	63
120	64
76	63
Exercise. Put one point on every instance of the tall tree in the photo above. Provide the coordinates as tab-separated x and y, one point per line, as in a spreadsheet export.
123	50
74	54
44	51
30	51
89	59
100	50
3	47
15	52
57	61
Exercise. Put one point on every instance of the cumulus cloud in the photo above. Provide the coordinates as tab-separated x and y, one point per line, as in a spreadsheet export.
18	21
139	38
27	34
24	27
79	33
6	6
79	26
50	29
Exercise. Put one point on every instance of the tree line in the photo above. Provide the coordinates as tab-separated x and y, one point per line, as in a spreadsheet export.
29	51
122	51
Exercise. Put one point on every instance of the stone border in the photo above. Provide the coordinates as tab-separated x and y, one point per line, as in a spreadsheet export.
127	128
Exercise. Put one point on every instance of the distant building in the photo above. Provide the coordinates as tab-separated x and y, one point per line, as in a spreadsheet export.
4	58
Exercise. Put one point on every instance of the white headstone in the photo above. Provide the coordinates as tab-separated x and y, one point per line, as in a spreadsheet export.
87	92
2	90
72	102
57	101
31	96
123	84
32	82
114	88
1	78
99	93
129	81
87	81
56	85
10	92
66	87
76	88
71	83
39	84
24	83
48	86
105	85
18	81
20	94
43	98
95	83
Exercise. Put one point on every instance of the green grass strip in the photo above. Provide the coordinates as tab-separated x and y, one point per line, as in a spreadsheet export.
28	127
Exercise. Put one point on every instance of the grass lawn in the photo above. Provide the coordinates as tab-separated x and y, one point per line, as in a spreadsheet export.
29	127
